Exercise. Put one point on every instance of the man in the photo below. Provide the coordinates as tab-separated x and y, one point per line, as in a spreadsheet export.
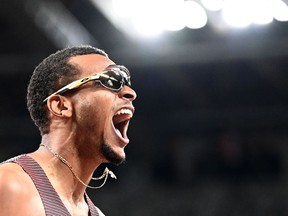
81	102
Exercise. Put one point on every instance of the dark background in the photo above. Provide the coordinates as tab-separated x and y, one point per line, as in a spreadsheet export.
209	136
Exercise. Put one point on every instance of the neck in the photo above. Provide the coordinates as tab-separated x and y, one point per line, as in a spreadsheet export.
64	161
61	176
83	162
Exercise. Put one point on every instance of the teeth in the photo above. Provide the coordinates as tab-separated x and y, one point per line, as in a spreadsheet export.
124	111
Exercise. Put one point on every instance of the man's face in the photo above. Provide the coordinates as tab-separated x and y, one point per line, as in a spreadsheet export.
101	115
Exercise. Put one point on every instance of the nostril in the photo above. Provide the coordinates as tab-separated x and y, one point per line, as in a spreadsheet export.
128	96
128	93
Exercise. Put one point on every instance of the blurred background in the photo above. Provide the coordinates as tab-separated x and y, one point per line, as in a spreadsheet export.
209	136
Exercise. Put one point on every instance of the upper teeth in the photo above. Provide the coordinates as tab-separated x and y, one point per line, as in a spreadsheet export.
124	111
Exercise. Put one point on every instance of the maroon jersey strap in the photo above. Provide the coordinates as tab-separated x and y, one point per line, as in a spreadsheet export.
53	205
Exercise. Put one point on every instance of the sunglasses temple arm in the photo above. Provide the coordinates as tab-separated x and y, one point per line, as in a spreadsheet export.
59	92
69	87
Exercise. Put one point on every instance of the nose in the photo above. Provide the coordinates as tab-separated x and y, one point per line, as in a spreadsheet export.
127	93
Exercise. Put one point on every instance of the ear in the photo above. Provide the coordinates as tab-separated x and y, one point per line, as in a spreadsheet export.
59	106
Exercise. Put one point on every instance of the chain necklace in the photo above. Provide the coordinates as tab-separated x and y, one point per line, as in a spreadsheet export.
105	174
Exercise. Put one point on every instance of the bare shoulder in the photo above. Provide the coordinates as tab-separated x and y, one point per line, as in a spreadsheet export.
12	178
18	192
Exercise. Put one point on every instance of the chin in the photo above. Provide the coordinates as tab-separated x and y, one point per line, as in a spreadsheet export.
112	156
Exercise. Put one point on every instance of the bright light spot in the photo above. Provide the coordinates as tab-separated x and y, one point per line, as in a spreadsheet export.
174	24
213	5
279	10
147	27
260	12
195	15
124	8
172	14
147	17
236	13
152	17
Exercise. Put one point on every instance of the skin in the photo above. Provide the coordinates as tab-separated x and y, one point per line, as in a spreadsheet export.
80	124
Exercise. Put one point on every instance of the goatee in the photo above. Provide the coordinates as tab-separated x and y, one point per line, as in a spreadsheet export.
110	155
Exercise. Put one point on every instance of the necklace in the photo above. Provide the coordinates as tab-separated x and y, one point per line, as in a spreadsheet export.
105	174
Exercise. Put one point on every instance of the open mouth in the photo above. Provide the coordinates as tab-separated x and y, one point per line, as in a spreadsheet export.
121	122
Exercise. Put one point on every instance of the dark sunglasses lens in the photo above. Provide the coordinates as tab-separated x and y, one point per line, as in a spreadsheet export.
111	80
126	75
128	82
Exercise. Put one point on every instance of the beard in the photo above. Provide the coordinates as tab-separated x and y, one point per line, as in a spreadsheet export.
110	155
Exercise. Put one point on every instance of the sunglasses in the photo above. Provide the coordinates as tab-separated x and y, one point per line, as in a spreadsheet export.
114	78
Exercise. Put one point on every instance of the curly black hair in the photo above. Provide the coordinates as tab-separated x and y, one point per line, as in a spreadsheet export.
50	75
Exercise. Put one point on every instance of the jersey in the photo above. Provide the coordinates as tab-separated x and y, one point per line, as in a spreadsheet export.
50	198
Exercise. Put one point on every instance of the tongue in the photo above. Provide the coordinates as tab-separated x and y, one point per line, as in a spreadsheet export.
120	118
